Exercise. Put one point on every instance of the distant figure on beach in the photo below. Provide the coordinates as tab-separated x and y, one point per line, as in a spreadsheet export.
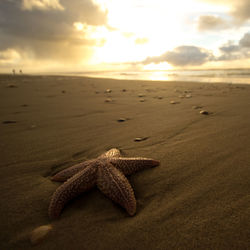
20	71
13	71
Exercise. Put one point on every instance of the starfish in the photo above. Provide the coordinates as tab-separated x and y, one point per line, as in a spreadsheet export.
107	172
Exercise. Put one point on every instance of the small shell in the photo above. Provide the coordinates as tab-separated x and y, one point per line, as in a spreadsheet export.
108	91
39	233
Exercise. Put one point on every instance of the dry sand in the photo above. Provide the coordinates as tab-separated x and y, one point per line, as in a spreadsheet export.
198	198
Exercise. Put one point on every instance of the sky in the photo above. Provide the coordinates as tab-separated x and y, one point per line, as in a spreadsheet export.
99	35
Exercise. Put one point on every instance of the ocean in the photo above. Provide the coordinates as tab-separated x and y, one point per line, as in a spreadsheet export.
234	76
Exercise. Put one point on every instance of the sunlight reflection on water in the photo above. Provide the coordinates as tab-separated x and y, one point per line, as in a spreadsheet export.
240	76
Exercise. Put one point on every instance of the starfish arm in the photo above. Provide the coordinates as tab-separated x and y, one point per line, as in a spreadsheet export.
74	186
114	152
115	185
129	166
69	172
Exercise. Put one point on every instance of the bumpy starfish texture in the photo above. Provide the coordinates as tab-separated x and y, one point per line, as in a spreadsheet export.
107	172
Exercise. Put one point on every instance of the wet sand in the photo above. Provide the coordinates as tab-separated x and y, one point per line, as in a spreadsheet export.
199	196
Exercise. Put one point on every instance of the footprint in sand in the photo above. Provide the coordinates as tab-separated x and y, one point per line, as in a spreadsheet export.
9	122
11	85
197	107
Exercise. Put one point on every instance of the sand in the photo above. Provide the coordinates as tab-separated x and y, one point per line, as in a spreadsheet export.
198	198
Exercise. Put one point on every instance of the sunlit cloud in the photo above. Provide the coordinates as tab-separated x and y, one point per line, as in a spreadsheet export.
239	9
41	5
212	22
141	40
9	57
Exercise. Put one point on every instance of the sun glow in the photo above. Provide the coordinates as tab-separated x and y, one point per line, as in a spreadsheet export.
139	29
78	26
159	24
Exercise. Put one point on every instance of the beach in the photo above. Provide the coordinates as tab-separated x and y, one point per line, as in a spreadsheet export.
198	198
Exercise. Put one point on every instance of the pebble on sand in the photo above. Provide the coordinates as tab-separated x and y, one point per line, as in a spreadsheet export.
121	119
108	100
174	102
38	234
108	91
138	139
142	100
141	95
204	112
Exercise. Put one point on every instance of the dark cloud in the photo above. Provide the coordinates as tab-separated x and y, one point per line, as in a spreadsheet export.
229	48
210	22
48	32
182	56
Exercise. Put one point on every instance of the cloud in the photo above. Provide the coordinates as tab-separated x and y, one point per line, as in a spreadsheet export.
231	51
196	56
9	56
245	41
27	28
182	56
229	48
141	40
240	9
41	5
210	22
